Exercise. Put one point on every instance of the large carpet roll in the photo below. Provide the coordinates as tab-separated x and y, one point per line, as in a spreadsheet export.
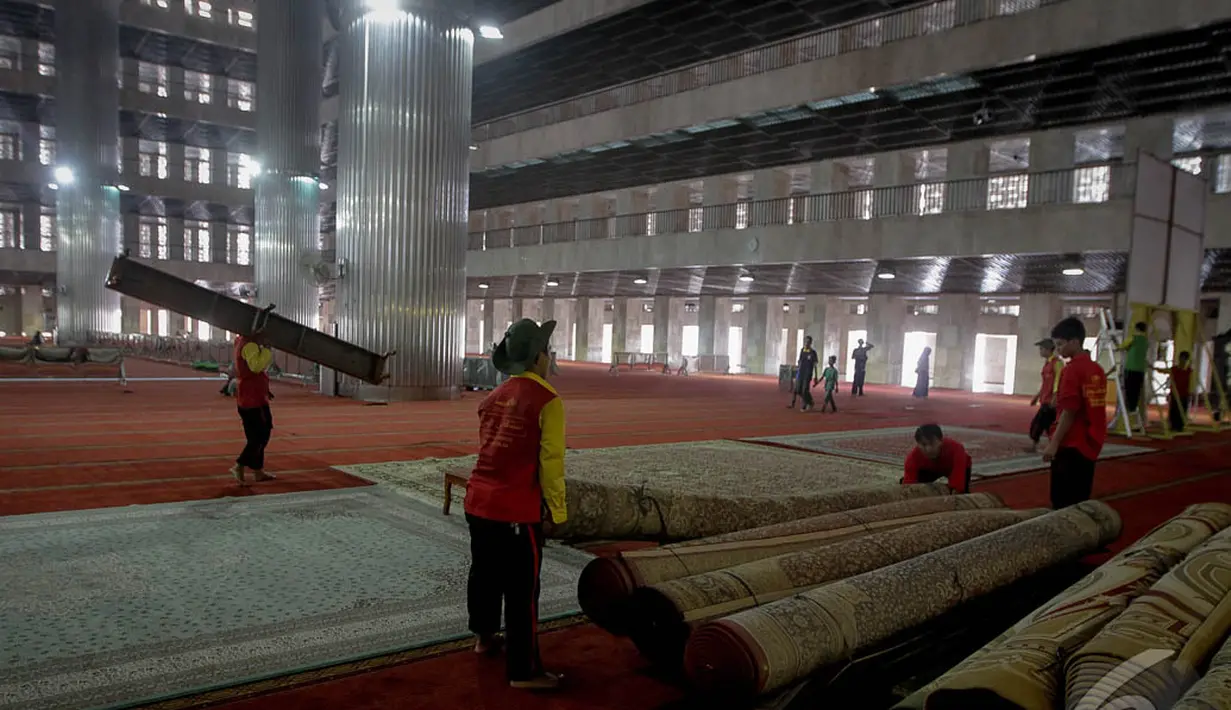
638	513
1213	691
766	648
661	616
1165	618
608	582
1023	666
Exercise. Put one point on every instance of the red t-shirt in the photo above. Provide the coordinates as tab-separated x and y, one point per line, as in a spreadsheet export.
1051	370
1083	391
1182	379
953	463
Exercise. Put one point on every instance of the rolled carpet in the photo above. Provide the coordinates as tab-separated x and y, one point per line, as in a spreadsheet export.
1213	691
1163	620
1023	667
638	513
766	648
661	616
607	582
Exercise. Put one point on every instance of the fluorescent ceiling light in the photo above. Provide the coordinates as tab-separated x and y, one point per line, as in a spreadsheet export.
484	286
474	147
886	275
746	278
122	188
1073	271
324	186
552	282
640	281
490	32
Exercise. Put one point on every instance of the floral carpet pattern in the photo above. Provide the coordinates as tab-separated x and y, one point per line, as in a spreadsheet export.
994	453
709	467
119	605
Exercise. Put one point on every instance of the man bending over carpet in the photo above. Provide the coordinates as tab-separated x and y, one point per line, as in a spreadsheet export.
517	481
935	457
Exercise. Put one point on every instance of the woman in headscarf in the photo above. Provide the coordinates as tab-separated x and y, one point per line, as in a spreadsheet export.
923	373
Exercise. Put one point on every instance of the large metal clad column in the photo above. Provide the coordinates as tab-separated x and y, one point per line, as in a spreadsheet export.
87	133
288	134
403	190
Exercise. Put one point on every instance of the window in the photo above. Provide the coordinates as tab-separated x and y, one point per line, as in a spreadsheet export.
204	254
1222	180
243	245
240	94
696	219
47	232
1008	192
152	79
164	239
737	307
241	18
863	203
923	309
1001	309
741	214
1189	164
152	159
10	52
197	87
46	145
145	240
46	59
10	229
651	223
10	146
931	198
160	4
196	165
240	170
1092	184
859	309
200	8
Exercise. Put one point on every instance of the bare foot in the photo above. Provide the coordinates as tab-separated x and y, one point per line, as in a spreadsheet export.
238	472
260	475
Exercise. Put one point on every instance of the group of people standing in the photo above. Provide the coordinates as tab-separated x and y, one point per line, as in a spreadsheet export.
807	376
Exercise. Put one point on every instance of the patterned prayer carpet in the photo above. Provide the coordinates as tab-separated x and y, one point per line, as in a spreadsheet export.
710	467
994	453
128	604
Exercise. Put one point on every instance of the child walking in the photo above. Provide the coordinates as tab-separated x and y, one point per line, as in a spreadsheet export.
830	376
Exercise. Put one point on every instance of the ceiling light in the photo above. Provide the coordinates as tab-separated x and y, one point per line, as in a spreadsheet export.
122	188
64	175
786	308
552	282
490	32
53	186
474	147
640	281
746	278
484	286
1073	271
887	275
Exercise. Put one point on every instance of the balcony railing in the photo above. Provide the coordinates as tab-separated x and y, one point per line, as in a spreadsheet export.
1090	184
919	21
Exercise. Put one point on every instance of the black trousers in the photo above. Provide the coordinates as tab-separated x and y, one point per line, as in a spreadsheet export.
857	382
1072	478
505	560
1134	382
1043	419
258	427
803	388
1176	412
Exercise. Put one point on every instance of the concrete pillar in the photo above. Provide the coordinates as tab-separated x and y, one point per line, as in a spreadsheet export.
10	312
886	330
517	310
662	324
87	130
31	215
287	212
130	315
175	162
830	180
812	321
771	190
721	193
672	203
756	343
1050	152
953	361
968	166
1037	314
775	318
32	318
402	191
722	326
1224	313
707	320
581	342
675	328
619	325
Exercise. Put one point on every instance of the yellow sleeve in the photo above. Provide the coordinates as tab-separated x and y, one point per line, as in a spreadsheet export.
1055	381
258	358
551	459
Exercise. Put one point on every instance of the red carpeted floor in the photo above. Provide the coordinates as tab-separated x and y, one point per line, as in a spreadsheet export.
68	445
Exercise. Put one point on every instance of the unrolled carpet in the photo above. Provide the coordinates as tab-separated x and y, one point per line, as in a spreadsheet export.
1213	691
613	512
607	582
1024	665
1166	618
661	616
766	648
119	605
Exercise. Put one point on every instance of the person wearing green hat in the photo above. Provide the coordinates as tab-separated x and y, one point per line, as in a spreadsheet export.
517	485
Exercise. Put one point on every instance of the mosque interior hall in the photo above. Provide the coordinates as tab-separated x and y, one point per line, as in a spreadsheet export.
609	354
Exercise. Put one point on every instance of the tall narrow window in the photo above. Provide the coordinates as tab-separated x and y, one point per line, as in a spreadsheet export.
10	52
240	18
47	232
152	159
197	87
243	245
200	8
152	79
204	253
46	145
240	94
164	239
145	240
46	59
10	229
10	146
197	164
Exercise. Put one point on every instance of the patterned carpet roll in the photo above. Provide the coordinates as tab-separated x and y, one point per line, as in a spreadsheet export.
608	582
661	615
1213	692
766	648
598	511
1163	619
1023	665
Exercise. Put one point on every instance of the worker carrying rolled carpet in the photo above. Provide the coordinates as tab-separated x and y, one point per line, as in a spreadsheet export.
518	474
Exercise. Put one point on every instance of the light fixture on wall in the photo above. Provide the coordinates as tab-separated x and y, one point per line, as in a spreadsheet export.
885	274
746	278
484	286
640	281
786	308
552	283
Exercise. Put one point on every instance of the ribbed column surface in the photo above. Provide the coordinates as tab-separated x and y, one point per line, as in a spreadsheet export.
288	133
88	206
403	189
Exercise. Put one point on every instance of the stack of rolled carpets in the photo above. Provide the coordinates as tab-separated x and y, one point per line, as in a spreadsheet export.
1187	612
1212	692
661	616
607	583
762	649
1024	665
598	511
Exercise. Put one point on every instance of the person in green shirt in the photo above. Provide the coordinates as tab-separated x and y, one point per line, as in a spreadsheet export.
830	376
1135	366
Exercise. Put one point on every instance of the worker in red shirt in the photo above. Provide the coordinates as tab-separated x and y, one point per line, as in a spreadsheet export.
517	481
935	457
1082	425
1181	376
252	359
1046	398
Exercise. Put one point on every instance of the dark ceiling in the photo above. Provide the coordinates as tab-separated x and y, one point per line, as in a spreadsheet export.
655	37
1170	73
